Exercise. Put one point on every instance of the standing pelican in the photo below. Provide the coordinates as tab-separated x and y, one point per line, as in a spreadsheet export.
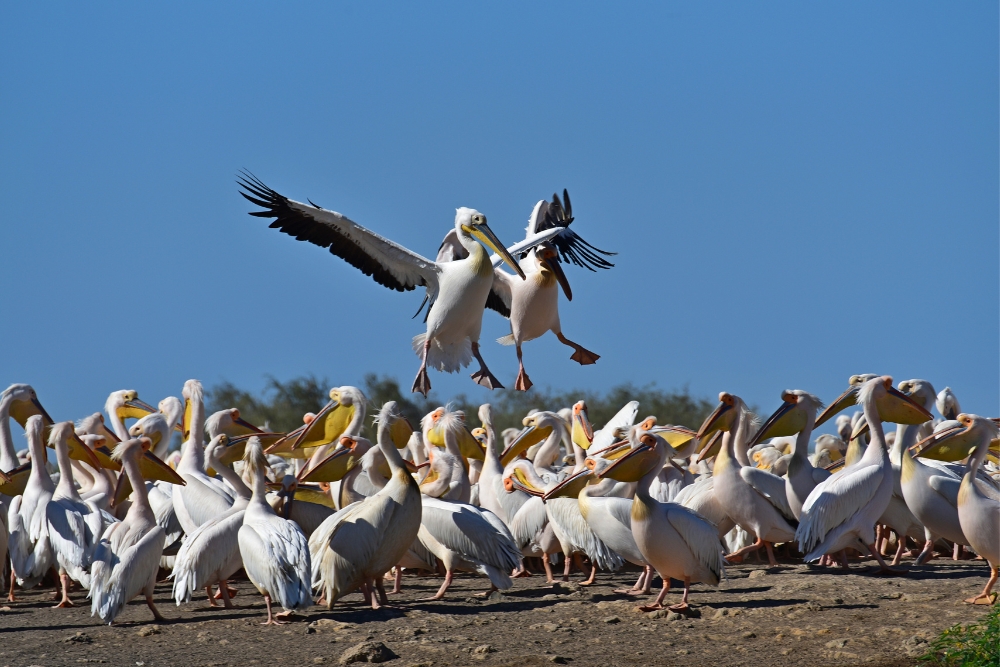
75	527
841	511
533	303
30	550
122	405
274	551
458	290
356	546
128	556
676	541
978	501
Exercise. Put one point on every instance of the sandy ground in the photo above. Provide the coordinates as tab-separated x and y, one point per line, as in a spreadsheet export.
789	615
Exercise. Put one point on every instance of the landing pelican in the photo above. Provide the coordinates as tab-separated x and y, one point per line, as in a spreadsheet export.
458	290
274	551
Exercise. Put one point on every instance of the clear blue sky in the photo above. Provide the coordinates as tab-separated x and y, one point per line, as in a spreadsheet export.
797	191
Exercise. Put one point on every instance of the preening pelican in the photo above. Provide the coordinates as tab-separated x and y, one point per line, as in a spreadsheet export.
676	541
532	304
128	556
978	501
947	404
75	527
275	553
356	546
30	550
841	511
458	290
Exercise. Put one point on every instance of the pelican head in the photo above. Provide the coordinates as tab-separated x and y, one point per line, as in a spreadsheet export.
893	405
723	416
920	391
193	393
961	438
332	421
651	451
845	400
471	224
798	408
548	260
21	402
125	404
537	427
63	434
947	404
154	426
229	422
582	431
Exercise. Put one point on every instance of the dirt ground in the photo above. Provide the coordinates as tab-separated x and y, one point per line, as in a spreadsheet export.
789	615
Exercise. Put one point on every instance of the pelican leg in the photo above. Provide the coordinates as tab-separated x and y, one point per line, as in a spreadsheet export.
444	587
843	558
231	591
523	383
986	597
157	616
487	593
737	556
13	578
582	356
900	550
546	563
957	552
883	568
224	592
211	598
658	604
927	553
683	606
422	383
367	592
639	587
593	574
271	620
380	589
397	581
771	560
521	573
567	566
64	584
483	377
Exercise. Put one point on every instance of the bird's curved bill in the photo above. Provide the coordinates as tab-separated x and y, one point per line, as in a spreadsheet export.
333	467
283	446
16	480
241	427
948	444
676	436
21	410
529	435
521	482
313	494
583	432
632	466
555	266
469	446
81	452
786	420
716	421
329	424
841	403
134	409
486	235
400	432
152	469
571	486
898	408
234	450
712	447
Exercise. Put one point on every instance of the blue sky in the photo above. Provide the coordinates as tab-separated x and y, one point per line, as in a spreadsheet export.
797	191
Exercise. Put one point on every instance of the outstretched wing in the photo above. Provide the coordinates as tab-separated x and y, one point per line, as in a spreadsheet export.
571	246
390	264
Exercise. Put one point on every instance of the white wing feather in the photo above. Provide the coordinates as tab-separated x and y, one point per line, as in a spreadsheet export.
835	501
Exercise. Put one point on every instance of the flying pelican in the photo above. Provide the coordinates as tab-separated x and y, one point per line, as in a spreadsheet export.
978	501
676	541
75	527
128	557
30	550
275	553
797	414
753	498
211	554
356	546
458	290
841	511
532	304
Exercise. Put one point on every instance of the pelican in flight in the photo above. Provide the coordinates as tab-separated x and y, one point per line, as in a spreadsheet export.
532	304
978	501
128	556
842	510
458	290
274	551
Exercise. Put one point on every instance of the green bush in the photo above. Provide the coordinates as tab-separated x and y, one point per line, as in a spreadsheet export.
973	645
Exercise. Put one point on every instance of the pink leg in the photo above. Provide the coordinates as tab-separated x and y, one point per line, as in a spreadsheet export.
658	604
422	383
444	587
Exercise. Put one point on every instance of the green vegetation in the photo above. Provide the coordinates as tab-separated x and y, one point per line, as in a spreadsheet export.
973	645
282	404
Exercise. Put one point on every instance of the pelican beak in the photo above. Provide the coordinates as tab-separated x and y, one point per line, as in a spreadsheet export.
949	444
234	450
521	482
899	408
21	410
483	232
571	486
530	435
186	419
81	452
241	426
859	429
632	466
400	432
469	446
328	425
154	469
332	468
676	436
134	409
4	479
786	420
711	447
555	266
17	480
583	431
844	401
718	420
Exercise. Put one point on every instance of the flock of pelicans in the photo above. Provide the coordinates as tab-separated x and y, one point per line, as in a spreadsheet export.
322	512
